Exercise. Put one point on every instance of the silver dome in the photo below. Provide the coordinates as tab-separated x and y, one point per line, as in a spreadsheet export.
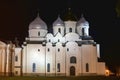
82	21
37	23
58	22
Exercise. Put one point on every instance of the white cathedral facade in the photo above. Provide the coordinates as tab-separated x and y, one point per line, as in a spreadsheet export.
68	51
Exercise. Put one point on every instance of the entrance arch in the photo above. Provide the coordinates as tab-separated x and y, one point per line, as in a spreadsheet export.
72	71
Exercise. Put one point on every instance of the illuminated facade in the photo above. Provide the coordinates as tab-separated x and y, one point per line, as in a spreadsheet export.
68	51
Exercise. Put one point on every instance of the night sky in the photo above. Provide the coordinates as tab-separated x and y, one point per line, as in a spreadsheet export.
15	16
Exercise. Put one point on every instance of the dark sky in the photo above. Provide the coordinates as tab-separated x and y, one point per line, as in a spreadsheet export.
15	16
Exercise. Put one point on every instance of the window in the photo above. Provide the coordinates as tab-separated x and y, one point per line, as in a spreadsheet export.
58	67
16	58
38	33
73	59
48	67
16	72
49	40
83	31
38	50
33	67
58	40
67	49
48	49
70	29
58	50
87	67
59	30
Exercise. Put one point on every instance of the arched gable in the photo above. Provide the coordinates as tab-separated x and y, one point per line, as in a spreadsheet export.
72	37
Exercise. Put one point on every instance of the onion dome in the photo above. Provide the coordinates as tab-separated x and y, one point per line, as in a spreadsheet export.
37	23
58	22
69	16
82	21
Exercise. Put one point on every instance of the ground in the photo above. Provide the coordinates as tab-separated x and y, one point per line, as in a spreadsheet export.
62	78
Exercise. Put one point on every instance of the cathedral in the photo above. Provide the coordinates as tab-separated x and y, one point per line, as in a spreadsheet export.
67	51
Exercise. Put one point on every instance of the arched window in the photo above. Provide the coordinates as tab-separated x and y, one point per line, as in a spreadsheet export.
38	33
58	40
67	49
16	58
48	49
58	50
58	67
72	59
49	40
83	31
87	67
59	30
70	29
48	67
33	67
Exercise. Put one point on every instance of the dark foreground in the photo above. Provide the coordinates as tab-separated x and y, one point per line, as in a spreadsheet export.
62	78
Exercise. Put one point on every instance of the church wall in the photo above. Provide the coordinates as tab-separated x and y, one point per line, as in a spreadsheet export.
50	59
35	58
70	24
58	38
101	68
2	52
17	61
72	51
79	30
49	37
37	32
56	28
24	60
60	59
72	37
89	59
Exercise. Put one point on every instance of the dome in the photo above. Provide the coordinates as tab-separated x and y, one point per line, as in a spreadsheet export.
82	21
38	23
69	16
58	22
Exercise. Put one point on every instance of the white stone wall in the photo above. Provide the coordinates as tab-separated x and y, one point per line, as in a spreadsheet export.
60	57
72	52
70	24
34	33
55	30
89	56
72	37
35	53
100	68
17	64
50	58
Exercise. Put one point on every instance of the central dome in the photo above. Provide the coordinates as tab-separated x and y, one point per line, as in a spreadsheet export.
38	23
69	16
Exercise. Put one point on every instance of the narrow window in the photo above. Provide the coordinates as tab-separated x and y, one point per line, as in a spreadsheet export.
58	40
58	50
49	40
38	33
58	67
87	67
73	59
33	67
16	58
38	50
59	30
16	72
48	67
70	29
48	49
67	49
83	31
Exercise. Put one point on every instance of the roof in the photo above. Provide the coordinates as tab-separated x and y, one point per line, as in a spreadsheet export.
37	23
69	16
